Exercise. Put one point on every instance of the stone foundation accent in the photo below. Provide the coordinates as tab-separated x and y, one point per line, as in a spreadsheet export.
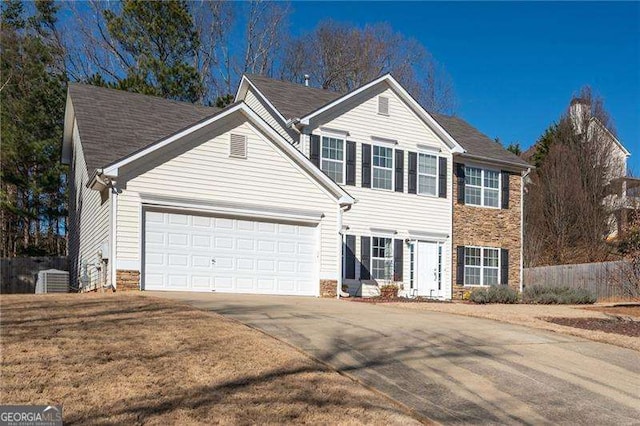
127	280
480	226
328	288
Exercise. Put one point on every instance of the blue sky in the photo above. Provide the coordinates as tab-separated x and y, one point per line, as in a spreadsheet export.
516	65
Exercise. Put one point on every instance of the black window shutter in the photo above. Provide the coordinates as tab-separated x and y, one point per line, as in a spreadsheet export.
349	257
413	173
398	246
314	150
460	179
365	258
504	266
351	163
399	170
505	189
460	265
366	165
442	177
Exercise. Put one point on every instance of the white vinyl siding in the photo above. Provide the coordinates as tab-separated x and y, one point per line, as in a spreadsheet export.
88	221
427	174
332	156
399	211
482	187
255	103
382	167
481	266
205	172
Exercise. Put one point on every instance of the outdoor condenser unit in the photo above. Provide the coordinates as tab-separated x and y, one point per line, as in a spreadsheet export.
52	281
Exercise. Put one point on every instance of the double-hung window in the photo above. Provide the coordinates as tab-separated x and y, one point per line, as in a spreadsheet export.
427	174
482	187
382	258
332	158
382	167
481	266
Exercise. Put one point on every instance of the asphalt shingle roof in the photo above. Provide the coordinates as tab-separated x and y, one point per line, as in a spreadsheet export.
475	142
296	100
290	99
114	123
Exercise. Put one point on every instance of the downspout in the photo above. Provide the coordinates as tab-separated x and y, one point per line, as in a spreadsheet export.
340	256
522	184
114	213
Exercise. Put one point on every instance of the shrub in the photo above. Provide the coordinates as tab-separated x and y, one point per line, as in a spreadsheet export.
389	291
494	294
557	295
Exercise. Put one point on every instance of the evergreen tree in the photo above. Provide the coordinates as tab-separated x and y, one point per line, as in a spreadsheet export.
161	39
32	190
514	147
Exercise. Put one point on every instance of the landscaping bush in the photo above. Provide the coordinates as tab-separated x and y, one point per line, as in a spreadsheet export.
557	295
389	291
494	294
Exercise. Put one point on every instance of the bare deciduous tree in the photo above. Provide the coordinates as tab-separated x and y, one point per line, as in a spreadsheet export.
266	28
341	57
568	207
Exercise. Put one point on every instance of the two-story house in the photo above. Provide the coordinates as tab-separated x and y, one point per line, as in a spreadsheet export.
289	190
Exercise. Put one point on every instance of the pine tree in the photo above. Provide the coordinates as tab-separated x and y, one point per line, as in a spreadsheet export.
162	40
32	192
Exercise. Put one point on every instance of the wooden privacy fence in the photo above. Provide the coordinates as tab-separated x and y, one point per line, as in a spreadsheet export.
609	281
19	274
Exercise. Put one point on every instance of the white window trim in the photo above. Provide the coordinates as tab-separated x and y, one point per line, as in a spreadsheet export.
437	175
482	187
344	153
482	267
393	272
393	168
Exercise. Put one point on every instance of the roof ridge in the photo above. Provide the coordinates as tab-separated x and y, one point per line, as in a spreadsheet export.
136	94
291	83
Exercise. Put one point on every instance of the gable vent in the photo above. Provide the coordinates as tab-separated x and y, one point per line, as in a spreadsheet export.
383	105
238	146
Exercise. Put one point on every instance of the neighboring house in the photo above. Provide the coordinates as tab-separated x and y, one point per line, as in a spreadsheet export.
624	200
290	190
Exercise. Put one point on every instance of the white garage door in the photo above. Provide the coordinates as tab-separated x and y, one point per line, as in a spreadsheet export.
201	253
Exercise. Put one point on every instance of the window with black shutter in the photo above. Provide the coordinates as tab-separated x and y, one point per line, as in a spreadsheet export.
399	170
366	165
365	258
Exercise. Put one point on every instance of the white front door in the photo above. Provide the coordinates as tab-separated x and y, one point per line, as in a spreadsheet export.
190	252
427	269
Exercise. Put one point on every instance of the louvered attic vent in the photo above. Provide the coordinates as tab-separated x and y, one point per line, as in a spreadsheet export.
238	146
383	105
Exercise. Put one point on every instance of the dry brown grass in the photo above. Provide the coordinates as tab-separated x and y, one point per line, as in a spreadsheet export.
122	358
531	316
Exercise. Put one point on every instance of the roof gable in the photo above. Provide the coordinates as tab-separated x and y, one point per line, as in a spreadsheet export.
114	123
290	100
342	197
296	101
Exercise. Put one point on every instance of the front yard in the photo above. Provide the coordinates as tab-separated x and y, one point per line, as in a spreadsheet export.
595	322
123	358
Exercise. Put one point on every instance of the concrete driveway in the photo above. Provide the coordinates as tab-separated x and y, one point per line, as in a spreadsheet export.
450	368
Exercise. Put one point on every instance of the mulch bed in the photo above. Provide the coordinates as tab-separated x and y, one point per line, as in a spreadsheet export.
614	325
630	310
382	299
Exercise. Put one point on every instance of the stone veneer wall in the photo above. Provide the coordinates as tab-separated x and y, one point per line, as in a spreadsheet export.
127	280
328	288
479	226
